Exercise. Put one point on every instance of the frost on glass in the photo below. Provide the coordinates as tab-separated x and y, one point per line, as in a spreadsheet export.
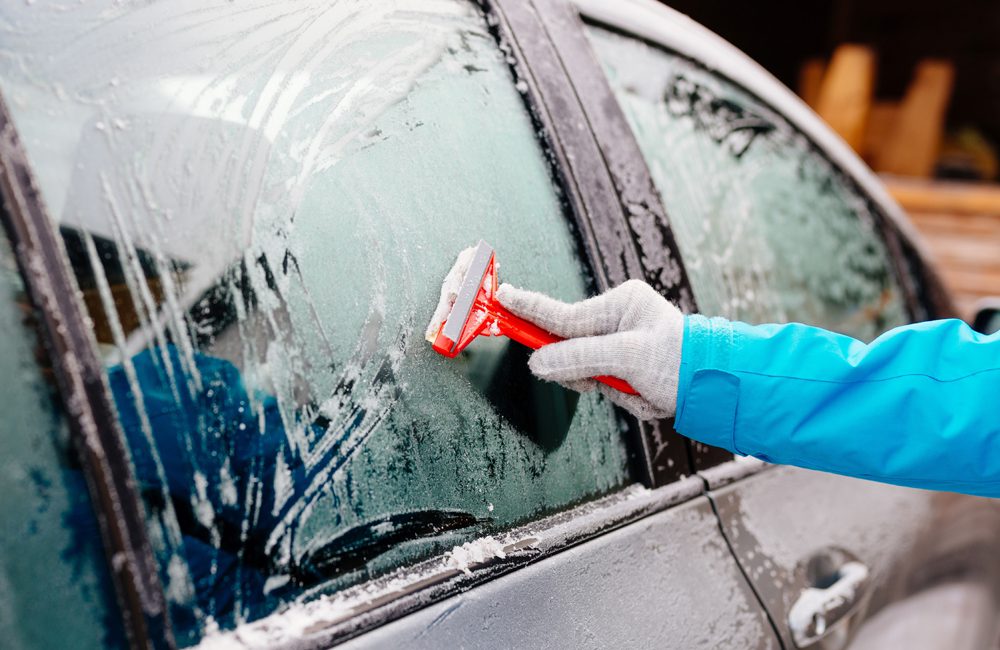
769	229
260	201
54	585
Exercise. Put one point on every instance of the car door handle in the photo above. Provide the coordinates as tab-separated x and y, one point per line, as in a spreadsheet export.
822	616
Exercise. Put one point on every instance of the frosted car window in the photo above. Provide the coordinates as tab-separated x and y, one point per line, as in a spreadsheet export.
260	201
769	229
54	583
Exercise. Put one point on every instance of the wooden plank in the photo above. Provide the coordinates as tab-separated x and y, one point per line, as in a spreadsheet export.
965	252
845	95
979	283
960	224
881	118
965	225
943	196
811	80
915	139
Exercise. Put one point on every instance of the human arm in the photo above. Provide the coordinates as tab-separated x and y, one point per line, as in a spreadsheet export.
919	406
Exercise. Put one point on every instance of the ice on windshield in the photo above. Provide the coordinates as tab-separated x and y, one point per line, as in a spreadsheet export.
260	202
769	229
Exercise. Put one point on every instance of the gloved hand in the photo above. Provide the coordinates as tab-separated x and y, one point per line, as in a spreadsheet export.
630	331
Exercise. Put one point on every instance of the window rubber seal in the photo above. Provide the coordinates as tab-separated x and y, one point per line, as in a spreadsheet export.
84	393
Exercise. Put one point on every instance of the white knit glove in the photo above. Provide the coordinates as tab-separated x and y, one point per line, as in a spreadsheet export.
630	332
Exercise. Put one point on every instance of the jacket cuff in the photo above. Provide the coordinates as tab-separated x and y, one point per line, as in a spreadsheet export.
707	390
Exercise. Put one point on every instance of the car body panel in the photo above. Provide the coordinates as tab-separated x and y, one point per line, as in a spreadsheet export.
780	519
588	532
665	581
910	540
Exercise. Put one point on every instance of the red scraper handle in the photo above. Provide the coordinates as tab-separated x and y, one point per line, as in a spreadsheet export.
529	334
478	313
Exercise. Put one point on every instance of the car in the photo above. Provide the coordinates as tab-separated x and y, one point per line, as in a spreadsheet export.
227	225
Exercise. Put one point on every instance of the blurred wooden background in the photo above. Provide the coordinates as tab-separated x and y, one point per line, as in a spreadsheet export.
914	87
905	141
960	223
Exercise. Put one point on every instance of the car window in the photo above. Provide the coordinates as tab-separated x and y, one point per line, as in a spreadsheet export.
53	581
769	229
260	202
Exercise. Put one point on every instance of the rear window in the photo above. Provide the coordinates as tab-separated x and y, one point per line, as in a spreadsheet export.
769	228
260	202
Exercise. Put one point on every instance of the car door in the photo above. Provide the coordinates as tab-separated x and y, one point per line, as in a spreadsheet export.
777	221
256	208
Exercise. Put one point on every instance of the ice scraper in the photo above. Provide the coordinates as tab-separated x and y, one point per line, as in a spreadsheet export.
468	308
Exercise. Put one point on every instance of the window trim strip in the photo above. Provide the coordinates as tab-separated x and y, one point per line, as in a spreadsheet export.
550	98
85	395
637	194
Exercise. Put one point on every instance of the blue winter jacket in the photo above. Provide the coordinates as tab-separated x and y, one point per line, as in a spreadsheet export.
919	406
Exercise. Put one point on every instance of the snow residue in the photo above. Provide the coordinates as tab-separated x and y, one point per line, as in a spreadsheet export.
475	552
294	623
808	617
282	485
178	584
383	528
636	491
300	620
227	488
449	291
276	582
211	626
199	501
494	329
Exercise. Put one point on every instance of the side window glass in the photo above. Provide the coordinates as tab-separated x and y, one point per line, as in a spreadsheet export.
769	229
51	559
260	203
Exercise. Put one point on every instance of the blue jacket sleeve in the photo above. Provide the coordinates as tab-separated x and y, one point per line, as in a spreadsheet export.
919	406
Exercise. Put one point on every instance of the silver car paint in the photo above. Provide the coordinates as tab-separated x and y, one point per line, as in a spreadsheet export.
666	581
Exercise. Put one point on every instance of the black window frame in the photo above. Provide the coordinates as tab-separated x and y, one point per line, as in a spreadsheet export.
647	221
